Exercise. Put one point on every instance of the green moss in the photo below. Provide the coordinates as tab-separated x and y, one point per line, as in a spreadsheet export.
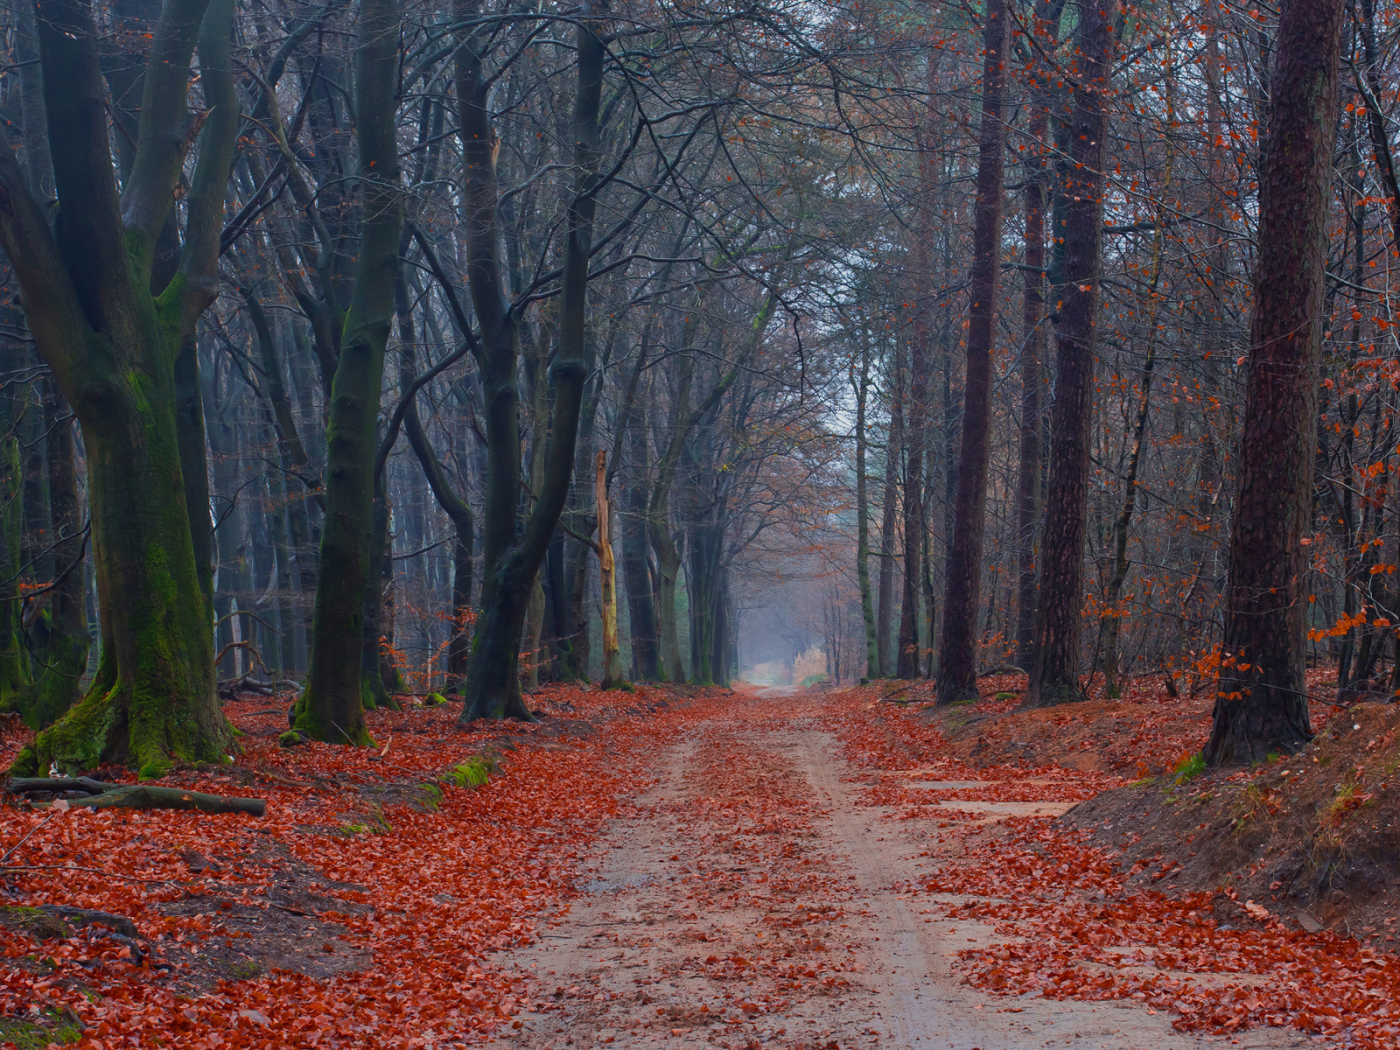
432	796
291	738
373	695
61	664
307	721
89	734
38	924
473	773
434	700
53	1027
153	770
621	685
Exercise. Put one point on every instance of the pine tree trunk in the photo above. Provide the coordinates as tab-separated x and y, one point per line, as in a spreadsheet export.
867	607
1054	672
1262	704
958	645
1032	379
889	518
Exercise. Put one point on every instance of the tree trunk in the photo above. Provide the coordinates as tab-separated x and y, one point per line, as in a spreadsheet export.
888	520
1262	704
612	663
958	645
1054	672
641	605
493	682
1109	632
65	655
331	708
907	657
112	346
867	608
1032	379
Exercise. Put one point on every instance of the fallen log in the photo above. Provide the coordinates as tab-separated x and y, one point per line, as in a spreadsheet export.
39	785
136	796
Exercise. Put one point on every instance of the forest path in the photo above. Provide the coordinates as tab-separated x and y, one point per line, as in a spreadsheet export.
749	899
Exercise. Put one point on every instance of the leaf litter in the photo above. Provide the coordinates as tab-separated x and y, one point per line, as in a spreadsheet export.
368	909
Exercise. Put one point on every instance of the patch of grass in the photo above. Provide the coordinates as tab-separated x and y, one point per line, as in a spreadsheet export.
1007	696
1188	768
240	969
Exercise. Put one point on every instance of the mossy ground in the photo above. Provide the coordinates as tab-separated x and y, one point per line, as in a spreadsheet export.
473	773
46	1029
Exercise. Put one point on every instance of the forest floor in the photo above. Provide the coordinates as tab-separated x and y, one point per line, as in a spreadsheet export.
687	868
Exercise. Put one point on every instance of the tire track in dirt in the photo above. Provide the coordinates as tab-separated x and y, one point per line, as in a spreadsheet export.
748	900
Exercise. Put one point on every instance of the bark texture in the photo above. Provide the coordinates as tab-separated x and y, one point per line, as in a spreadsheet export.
957	651
1262	701
1054	671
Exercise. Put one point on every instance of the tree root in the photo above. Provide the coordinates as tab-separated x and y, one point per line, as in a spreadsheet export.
136	796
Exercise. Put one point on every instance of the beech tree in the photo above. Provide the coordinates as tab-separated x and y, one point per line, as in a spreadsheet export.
112	292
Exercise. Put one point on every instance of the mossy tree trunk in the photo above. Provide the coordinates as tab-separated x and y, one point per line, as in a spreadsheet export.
332	708
112	343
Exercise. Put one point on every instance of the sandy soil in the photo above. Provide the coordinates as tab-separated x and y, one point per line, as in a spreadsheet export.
749	898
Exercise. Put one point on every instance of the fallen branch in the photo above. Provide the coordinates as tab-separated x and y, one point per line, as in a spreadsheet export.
6	869
137	796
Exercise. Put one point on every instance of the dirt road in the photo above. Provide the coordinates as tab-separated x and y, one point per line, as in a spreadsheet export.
752	897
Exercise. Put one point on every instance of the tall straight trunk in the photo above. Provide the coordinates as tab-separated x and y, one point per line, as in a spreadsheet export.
867	608
534	614
277	528
915	409
607	576
15	680
1032	378
958	644
377	687
907	657
1262	703
302	495
888	519
1054	671
1109	632
453	503
511	564
331	708
641	605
